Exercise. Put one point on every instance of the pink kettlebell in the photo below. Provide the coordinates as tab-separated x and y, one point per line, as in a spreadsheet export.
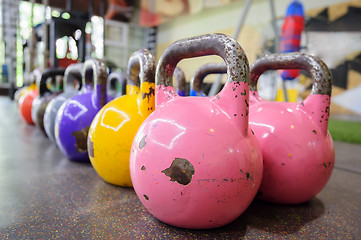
195	163
297	148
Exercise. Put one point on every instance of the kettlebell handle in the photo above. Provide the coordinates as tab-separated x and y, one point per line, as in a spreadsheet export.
317	104
141	65
234	96
209	44
49	72
320	73
209	68
99	76
180	81
119	78
74	69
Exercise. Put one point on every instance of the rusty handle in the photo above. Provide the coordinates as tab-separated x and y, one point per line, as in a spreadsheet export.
321	75
117	77
180	80
141	65
209	44
74	69
95	70
202	72
49	72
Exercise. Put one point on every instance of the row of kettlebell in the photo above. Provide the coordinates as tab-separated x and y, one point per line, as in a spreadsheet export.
40	106
198	162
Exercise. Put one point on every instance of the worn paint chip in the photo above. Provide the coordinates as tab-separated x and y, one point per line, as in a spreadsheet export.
146	197
142	142
81	138
143	168
149	94
180	171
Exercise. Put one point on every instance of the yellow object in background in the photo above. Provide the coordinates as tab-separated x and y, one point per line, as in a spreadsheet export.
292	94
21	91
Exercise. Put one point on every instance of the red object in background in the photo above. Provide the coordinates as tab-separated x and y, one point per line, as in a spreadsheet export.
118	7
65	62
149	19
25	104
292	28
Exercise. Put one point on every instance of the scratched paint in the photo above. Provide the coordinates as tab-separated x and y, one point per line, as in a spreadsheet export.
81	139
142	142
180	171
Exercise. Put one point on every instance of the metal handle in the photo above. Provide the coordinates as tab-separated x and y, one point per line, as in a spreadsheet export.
141	65
74	69
234	96
209	44
49	72
99	76
321	75
119	78
202	72
180	81
317	104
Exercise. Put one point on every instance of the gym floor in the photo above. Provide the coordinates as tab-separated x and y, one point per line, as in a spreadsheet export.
44	195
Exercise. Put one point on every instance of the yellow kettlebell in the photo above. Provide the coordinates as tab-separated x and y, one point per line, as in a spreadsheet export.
114	127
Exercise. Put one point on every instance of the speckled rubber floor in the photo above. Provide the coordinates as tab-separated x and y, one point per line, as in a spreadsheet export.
45	196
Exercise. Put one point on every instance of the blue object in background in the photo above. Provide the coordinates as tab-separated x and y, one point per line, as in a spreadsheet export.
292	28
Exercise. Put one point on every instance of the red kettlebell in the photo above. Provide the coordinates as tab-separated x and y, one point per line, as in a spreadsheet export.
194	161
26	100
25	105
297	148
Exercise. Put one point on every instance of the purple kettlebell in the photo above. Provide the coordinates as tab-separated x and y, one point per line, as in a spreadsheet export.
76	114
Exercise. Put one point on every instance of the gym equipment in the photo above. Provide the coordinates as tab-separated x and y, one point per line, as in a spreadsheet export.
117	82
69	91
180	82
76	114
45	96
194	161
297	148
201	73
113	129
